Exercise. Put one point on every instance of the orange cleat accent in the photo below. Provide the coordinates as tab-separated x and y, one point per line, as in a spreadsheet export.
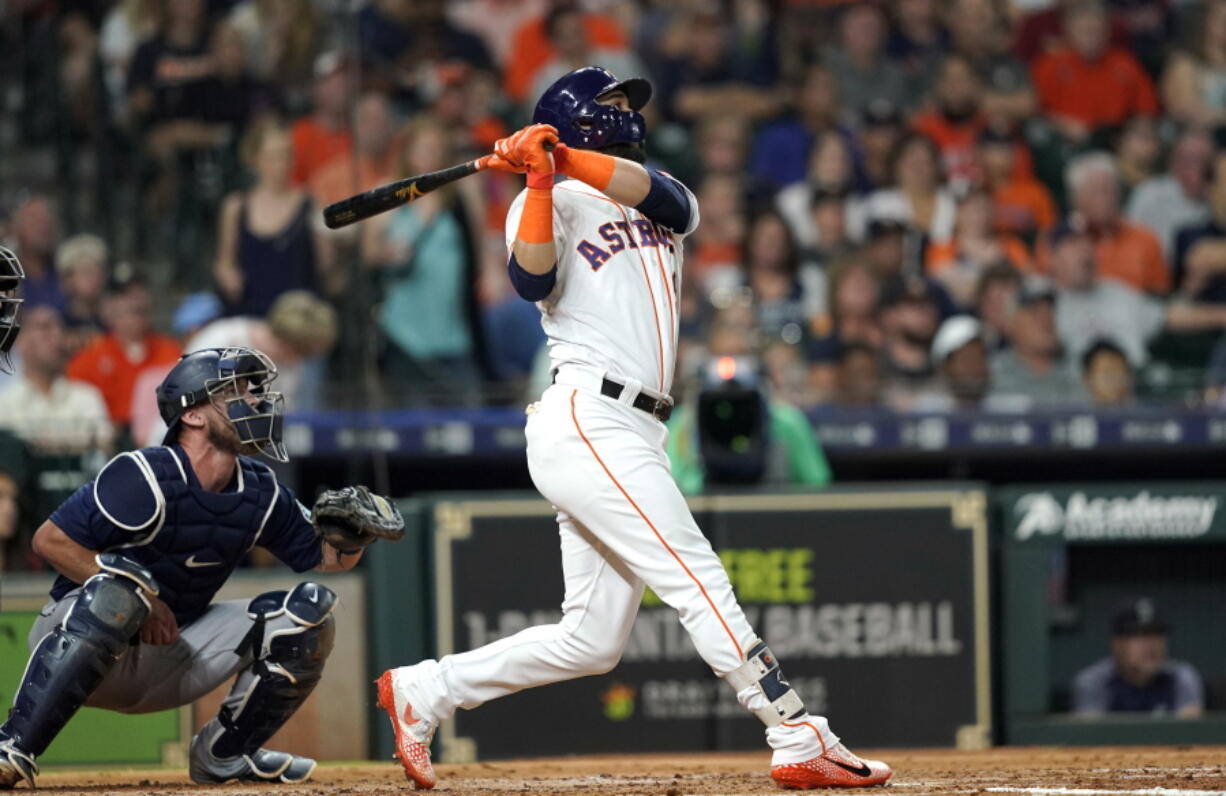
837	767
412	735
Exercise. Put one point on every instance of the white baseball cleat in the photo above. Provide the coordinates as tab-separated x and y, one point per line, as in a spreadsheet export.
15	765
413	735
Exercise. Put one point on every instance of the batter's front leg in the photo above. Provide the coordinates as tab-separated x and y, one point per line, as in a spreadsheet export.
601	601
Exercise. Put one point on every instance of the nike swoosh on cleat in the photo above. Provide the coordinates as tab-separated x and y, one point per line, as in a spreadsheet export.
192	562
862	771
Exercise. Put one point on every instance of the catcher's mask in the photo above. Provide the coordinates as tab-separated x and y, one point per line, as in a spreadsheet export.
11	275
235	380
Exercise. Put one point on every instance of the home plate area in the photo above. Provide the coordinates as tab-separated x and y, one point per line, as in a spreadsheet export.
1081	771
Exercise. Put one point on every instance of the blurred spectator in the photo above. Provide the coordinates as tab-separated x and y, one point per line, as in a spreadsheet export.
352	172
1176	199
426	255
125	27
960	357
1138	676
909	315
783	150
1046	30
859	382
1090	307
708	76
1034	371
1090	84
232	97
861	66
855	294
571	50
786	292
15	552
1138	152
168	70
959	262
406	42
1200	249
716	244
1023	206
324	134
280	39
267	242
1194	82
196	311
955	121
1107	375
917	40
492	19
980	34
828	213
81	262
34	231
299	328
1124	250
831	174
994	300
114	362
918	197
530	48
52	413
881	128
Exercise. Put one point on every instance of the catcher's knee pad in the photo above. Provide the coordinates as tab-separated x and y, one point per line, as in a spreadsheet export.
70	661
289	660
761	670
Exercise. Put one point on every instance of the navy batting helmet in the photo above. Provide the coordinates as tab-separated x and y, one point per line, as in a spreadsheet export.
11	275
570	105
239	378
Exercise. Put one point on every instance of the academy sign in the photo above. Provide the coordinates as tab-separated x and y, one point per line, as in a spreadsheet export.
1135	516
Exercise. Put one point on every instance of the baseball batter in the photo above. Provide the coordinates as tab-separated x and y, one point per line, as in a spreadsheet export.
600	252
142	550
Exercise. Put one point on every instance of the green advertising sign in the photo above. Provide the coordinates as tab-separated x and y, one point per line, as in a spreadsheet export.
93	736
1114	514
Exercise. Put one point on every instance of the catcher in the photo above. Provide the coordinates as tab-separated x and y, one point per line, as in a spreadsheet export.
142	550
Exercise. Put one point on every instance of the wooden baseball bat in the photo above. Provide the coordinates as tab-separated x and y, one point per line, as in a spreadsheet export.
379	200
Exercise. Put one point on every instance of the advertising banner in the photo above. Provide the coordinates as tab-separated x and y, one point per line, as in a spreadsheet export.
875	602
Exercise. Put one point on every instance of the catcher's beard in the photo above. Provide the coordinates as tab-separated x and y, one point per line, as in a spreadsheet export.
222	435
634	152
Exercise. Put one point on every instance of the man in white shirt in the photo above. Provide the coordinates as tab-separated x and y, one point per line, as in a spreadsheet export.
51	412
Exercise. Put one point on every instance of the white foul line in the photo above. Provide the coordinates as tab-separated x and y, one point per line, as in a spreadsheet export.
1097	792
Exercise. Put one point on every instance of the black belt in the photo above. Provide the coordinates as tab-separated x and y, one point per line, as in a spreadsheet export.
659	408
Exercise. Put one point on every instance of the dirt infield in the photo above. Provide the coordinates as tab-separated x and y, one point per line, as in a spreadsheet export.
1152	771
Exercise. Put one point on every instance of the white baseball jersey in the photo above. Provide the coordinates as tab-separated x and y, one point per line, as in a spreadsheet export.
615	304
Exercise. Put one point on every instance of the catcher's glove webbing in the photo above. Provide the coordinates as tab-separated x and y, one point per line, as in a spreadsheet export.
353	517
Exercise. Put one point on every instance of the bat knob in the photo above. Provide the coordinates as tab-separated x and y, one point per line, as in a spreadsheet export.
548	146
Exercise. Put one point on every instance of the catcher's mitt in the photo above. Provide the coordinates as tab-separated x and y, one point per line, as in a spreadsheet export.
353	517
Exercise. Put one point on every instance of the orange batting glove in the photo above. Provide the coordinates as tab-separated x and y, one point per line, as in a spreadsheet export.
496	162
528	147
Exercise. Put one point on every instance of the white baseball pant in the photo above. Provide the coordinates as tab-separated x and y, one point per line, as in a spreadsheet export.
623	523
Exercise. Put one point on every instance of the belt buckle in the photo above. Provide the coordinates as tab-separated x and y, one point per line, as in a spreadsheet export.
660	408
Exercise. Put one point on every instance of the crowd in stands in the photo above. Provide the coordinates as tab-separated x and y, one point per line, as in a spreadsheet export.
921	205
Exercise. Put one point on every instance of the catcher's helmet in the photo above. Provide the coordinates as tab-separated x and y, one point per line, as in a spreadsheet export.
11	275
570	105
239	377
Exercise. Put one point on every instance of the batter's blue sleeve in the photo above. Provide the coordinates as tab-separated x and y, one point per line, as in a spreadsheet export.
289	534
667	203
533	287
82	521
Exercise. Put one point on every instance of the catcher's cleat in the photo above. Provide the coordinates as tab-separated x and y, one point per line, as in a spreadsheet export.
837	767
15	765
261	766
413	735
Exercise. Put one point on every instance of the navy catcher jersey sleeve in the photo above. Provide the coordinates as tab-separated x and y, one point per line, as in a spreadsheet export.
80	518
289	534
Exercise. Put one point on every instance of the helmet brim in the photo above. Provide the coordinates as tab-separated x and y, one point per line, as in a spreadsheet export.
636	89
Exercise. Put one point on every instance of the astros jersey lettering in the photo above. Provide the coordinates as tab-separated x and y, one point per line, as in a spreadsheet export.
619	277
